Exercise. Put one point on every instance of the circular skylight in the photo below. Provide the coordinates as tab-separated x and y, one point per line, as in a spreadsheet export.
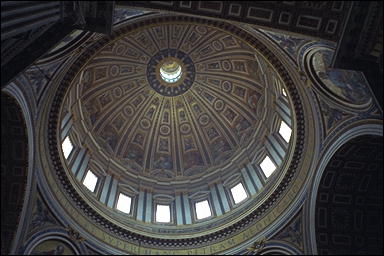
170	71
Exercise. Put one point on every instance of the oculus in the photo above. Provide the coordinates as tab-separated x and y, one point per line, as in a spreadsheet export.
170	71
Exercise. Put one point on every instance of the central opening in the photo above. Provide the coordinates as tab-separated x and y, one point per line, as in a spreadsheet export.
170	71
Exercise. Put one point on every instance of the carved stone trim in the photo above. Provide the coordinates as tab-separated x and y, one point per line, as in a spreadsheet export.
190	242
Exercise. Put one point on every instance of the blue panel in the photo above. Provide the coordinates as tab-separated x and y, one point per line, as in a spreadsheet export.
72	156
284	107
273	153
248	182
284	116
104	192
254	176
65	120
66	130
277	145
179	211
79	158
112	193
187	209
284	99
148	208
216	203
83	167
140	206
223	197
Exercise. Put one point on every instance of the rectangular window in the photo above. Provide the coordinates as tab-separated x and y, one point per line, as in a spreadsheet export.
285	131
267	166
90	181
67	147
124	203
238	193
202	210
163	213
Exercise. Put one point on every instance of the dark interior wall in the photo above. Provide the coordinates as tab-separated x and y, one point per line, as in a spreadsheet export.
14	167
349	206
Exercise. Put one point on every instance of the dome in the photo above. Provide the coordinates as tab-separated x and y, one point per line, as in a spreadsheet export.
176	122
191	128
180	130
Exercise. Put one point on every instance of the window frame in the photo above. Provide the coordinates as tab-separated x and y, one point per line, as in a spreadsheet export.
195	202
97	186
282	137
68	158
131	208
234	204
262	170
170	213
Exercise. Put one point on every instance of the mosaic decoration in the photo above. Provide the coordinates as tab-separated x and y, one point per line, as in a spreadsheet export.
344	85
41	216
53	247
293	232
162	123
289	43
38	77
209	111
332	116
251	67
256	247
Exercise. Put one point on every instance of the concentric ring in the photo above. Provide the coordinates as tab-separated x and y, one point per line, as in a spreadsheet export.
130	236
171	89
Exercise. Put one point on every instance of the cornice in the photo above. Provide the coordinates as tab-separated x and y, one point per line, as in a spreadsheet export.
198	241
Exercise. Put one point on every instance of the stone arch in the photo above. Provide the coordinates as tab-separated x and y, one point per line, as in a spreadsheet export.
348	209
278	247
53	239
14	168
